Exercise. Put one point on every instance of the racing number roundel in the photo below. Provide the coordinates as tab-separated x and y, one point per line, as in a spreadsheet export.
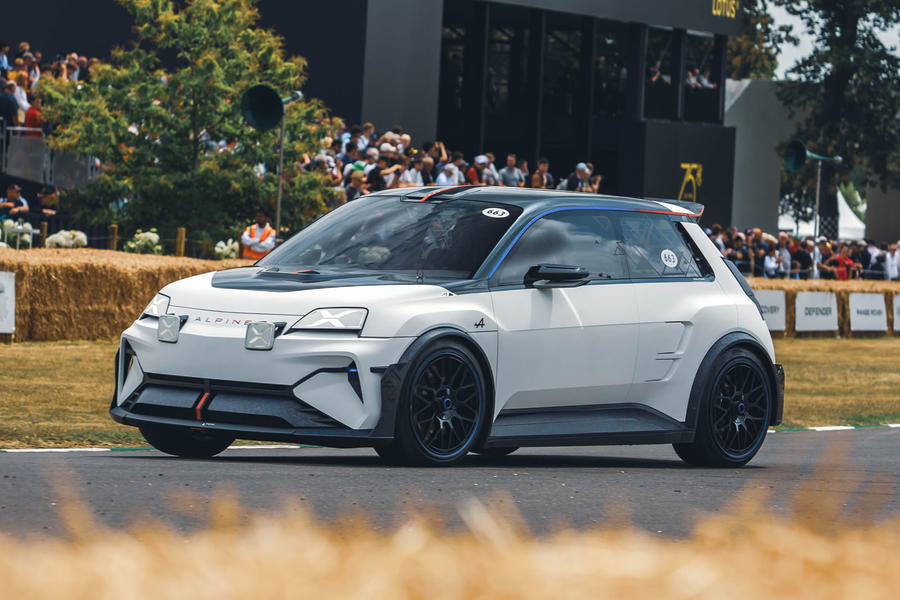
669	258
495	213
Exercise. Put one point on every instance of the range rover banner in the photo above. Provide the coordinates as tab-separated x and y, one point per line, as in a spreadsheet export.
773	304
816	311
867	312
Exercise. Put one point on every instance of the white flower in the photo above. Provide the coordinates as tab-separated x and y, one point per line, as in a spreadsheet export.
67	239
227	249
147	237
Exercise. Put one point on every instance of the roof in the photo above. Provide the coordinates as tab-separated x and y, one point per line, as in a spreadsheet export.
534	199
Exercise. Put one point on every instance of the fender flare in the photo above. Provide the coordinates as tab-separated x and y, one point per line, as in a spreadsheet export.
395	375
726	342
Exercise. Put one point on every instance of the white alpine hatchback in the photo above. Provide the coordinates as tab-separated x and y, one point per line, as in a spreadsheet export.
428	323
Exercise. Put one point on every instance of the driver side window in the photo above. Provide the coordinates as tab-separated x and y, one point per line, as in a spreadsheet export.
587	238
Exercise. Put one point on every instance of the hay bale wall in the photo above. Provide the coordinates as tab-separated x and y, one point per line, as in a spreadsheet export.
842	291
87	294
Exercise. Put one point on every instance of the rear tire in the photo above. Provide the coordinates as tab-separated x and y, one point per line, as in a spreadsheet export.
735	406
443	406
185	442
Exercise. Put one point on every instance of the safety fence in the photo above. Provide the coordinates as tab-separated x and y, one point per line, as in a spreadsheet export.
106	237
24	153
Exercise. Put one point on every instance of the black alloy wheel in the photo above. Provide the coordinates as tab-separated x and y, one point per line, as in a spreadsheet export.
739	408
444	406
734	412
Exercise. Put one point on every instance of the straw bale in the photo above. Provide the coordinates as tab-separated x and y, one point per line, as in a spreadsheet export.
87	294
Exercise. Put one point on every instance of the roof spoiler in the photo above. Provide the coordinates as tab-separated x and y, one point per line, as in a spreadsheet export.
694	209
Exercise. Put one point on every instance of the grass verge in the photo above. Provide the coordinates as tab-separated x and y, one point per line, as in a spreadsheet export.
56	394
840	381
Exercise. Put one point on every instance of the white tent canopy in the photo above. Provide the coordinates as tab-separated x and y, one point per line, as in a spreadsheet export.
850	227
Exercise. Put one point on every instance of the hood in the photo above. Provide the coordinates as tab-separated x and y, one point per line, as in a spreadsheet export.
243	291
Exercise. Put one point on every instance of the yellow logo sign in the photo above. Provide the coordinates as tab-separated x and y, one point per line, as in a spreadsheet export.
725	8
693	179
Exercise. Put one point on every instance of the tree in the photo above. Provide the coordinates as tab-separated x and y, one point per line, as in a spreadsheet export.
164	120
754	53
797	201
846	91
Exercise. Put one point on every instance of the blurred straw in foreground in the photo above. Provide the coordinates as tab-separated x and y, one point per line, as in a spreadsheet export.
746	553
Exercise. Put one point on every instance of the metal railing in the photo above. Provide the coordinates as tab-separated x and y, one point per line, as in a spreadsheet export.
24	153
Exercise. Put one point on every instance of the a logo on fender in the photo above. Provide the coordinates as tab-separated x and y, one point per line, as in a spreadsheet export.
725	8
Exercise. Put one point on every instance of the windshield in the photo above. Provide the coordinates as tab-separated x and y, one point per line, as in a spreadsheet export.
441	239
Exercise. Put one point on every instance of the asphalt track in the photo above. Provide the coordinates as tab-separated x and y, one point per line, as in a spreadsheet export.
550	487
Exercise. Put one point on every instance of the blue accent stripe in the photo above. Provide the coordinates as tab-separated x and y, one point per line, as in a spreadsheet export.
544	214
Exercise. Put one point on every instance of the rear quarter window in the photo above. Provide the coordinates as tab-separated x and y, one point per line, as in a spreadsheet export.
655	248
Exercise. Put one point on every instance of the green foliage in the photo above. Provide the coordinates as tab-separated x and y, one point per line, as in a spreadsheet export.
846	90
754	53
169	134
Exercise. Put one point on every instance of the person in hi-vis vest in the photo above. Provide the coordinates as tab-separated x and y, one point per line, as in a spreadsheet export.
258	239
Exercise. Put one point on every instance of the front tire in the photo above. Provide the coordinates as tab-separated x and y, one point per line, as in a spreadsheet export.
733	418
184	442
443	406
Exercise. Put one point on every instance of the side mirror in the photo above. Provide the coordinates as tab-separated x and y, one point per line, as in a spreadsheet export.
546	276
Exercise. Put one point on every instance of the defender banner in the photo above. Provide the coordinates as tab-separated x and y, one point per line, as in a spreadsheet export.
867	312
773	305
7	302
816	311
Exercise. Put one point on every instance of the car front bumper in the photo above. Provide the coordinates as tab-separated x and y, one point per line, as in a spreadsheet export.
337	390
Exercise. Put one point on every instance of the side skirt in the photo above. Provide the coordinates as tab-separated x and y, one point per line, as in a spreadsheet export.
593	425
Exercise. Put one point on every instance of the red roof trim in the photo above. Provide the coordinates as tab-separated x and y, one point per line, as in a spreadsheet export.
445	189
672	212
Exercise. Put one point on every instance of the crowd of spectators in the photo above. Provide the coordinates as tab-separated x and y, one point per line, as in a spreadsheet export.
20	72
358	161
763	255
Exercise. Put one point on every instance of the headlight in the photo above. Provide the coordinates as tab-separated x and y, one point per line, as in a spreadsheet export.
158	306
341	319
